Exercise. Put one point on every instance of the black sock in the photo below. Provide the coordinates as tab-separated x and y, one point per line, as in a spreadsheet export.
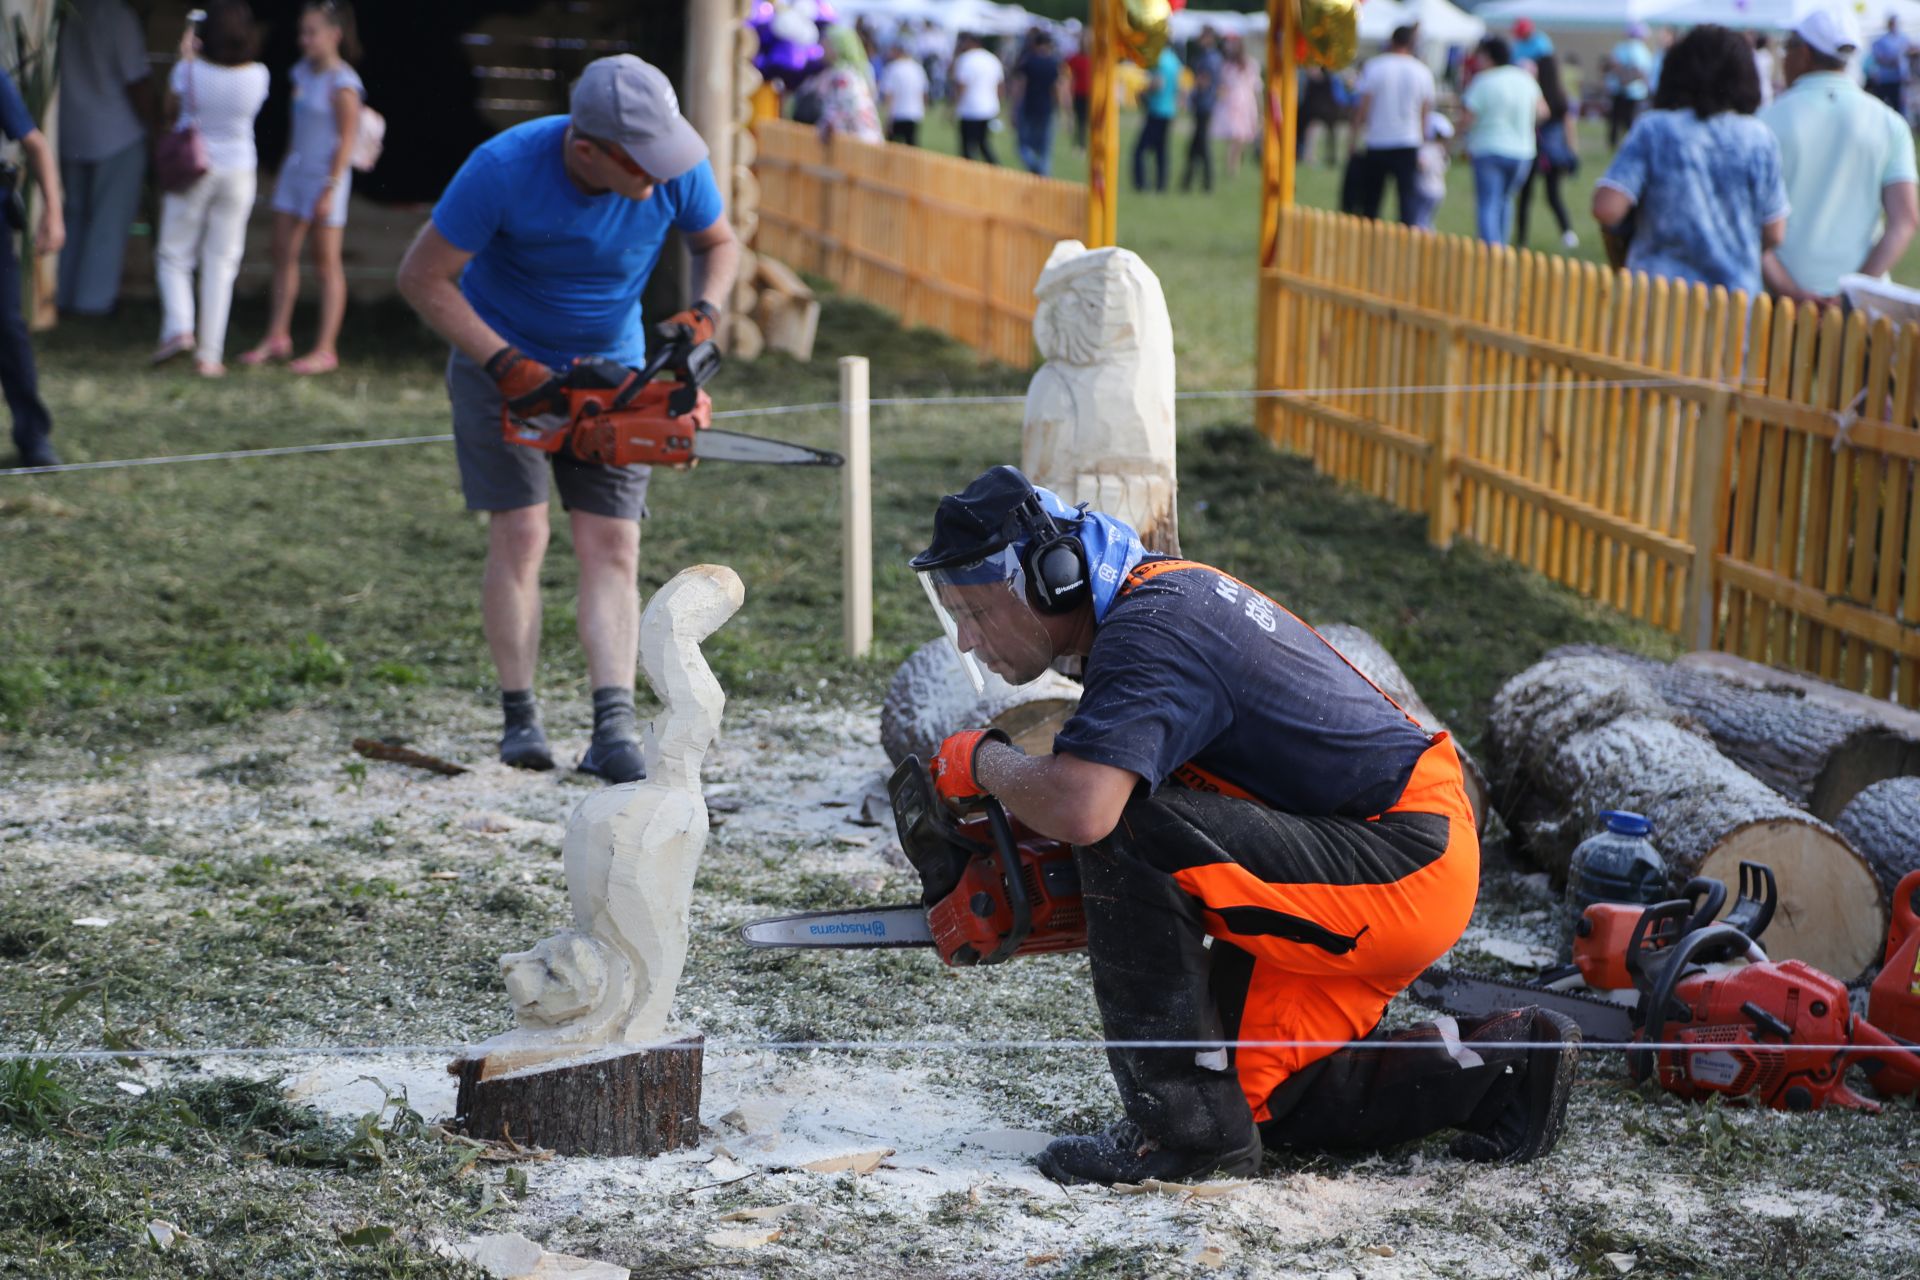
520	707
613	716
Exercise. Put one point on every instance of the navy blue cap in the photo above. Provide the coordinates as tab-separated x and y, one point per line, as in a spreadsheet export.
1624	823
1001	507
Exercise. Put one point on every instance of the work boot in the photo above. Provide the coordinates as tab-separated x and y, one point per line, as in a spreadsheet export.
1125	1154
615	751
39	455
523	744
1522	1122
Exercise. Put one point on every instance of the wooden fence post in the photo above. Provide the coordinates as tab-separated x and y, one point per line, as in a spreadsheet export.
1707	517
1451	353
856	513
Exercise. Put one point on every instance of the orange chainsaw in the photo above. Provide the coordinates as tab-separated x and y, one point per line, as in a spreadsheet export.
619	416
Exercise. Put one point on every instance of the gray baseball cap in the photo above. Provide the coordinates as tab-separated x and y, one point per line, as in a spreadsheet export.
629	102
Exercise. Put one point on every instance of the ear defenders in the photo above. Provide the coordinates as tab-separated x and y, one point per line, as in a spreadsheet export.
1055	561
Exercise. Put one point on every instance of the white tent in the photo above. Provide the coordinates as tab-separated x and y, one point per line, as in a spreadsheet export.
1559	15
1783	15
1185	24
1440	22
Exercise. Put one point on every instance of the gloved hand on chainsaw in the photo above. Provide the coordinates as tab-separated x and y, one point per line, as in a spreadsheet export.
952	766
529	387
691	327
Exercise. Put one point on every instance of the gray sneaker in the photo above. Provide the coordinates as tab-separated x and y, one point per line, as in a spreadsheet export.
525	746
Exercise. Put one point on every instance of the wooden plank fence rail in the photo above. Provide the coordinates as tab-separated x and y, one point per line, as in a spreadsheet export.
942	242
1740	472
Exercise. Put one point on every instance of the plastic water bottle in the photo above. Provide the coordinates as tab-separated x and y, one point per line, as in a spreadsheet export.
1618	864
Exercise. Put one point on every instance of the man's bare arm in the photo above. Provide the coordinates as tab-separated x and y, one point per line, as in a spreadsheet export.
429	279
1901	201
716	261
1057	795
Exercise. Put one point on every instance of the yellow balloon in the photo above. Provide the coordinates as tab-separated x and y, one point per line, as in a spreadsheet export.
1329	33
1141	26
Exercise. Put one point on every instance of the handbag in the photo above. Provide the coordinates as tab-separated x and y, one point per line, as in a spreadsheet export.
372	135
1555	154
180	156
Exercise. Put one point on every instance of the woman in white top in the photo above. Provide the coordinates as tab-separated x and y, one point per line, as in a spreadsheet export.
310	197
218	87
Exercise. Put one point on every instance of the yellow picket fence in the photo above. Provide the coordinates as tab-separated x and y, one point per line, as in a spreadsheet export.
1738	472
946	243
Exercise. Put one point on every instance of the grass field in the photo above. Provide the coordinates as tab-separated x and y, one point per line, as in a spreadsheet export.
186	650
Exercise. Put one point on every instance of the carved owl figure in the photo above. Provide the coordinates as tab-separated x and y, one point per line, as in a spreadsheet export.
1096	304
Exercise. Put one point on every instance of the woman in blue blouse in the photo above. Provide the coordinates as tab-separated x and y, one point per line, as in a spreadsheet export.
1699	176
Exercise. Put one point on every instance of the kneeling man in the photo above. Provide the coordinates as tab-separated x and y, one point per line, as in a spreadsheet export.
1270	850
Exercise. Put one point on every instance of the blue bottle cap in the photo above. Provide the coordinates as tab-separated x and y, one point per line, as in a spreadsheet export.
1623	823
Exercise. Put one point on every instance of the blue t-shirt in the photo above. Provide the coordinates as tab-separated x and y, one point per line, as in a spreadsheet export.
15	121
1039	73
1163	98
1890	49
557	272
1192	667
1702	189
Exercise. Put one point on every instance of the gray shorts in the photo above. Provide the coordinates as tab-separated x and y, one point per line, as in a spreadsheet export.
298	189
497	476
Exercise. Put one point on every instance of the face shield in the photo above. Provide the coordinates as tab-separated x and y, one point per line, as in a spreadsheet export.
984	610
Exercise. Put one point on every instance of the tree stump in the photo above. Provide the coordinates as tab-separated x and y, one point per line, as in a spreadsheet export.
1371	659
1581	733
1817	745
620	1101
1883	822
931	697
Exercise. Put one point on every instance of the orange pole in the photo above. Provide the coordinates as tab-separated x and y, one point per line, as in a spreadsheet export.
1276	157
1103	127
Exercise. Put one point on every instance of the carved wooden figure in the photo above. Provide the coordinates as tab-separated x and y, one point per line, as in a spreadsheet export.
608	981
1100	424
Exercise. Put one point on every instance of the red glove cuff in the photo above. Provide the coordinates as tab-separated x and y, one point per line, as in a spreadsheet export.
952	767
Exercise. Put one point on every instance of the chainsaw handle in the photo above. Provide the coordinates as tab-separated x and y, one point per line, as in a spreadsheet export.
1877	1053
1657	997
1007	852
1708	896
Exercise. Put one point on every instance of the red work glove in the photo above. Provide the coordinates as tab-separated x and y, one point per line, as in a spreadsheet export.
529	387
952	766
693	326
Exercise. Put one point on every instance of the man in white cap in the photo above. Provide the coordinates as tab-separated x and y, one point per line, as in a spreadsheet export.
538	253
1848	162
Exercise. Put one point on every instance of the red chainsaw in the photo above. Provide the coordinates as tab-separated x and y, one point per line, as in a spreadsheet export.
1717	1016
658	415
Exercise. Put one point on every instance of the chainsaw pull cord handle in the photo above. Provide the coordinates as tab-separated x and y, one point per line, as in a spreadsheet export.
1656	1000
1007	852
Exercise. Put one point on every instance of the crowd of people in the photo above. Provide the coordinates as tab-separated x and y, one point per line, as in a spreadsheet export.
870	88
1718	174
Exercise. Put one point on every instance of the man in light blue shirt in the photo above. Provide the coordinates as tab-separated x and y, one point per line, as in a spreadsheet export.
1892	52
1849	167
1630	70
1161	100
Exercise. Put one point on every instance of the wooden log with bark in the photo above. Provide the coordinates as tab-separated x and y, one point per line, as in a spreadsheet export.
1883	822
1815	744
931	697
621	1101
1372	660
1580	733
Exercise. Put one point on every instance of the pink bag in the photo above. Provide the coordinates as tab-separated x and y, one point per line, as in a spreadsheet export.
180	156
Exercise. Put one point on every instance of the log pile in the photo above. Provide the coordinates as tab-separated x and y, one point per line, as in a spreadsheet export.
1816	745
1583	731
1883	822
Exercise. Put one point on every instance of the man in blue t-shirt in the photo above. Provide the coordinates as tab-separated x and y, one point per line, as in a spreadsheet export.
1160	100
1227	774
537	254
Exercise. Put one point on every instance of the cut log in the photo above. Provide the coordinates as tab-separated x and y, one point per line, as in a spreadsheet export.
1816	745
1581	733
789	323
1883	822
620	1101
931	697
1372	660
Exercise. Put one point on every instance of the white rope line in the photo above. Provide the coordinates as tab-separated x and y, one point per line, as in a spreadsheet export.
922	1046
893	402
